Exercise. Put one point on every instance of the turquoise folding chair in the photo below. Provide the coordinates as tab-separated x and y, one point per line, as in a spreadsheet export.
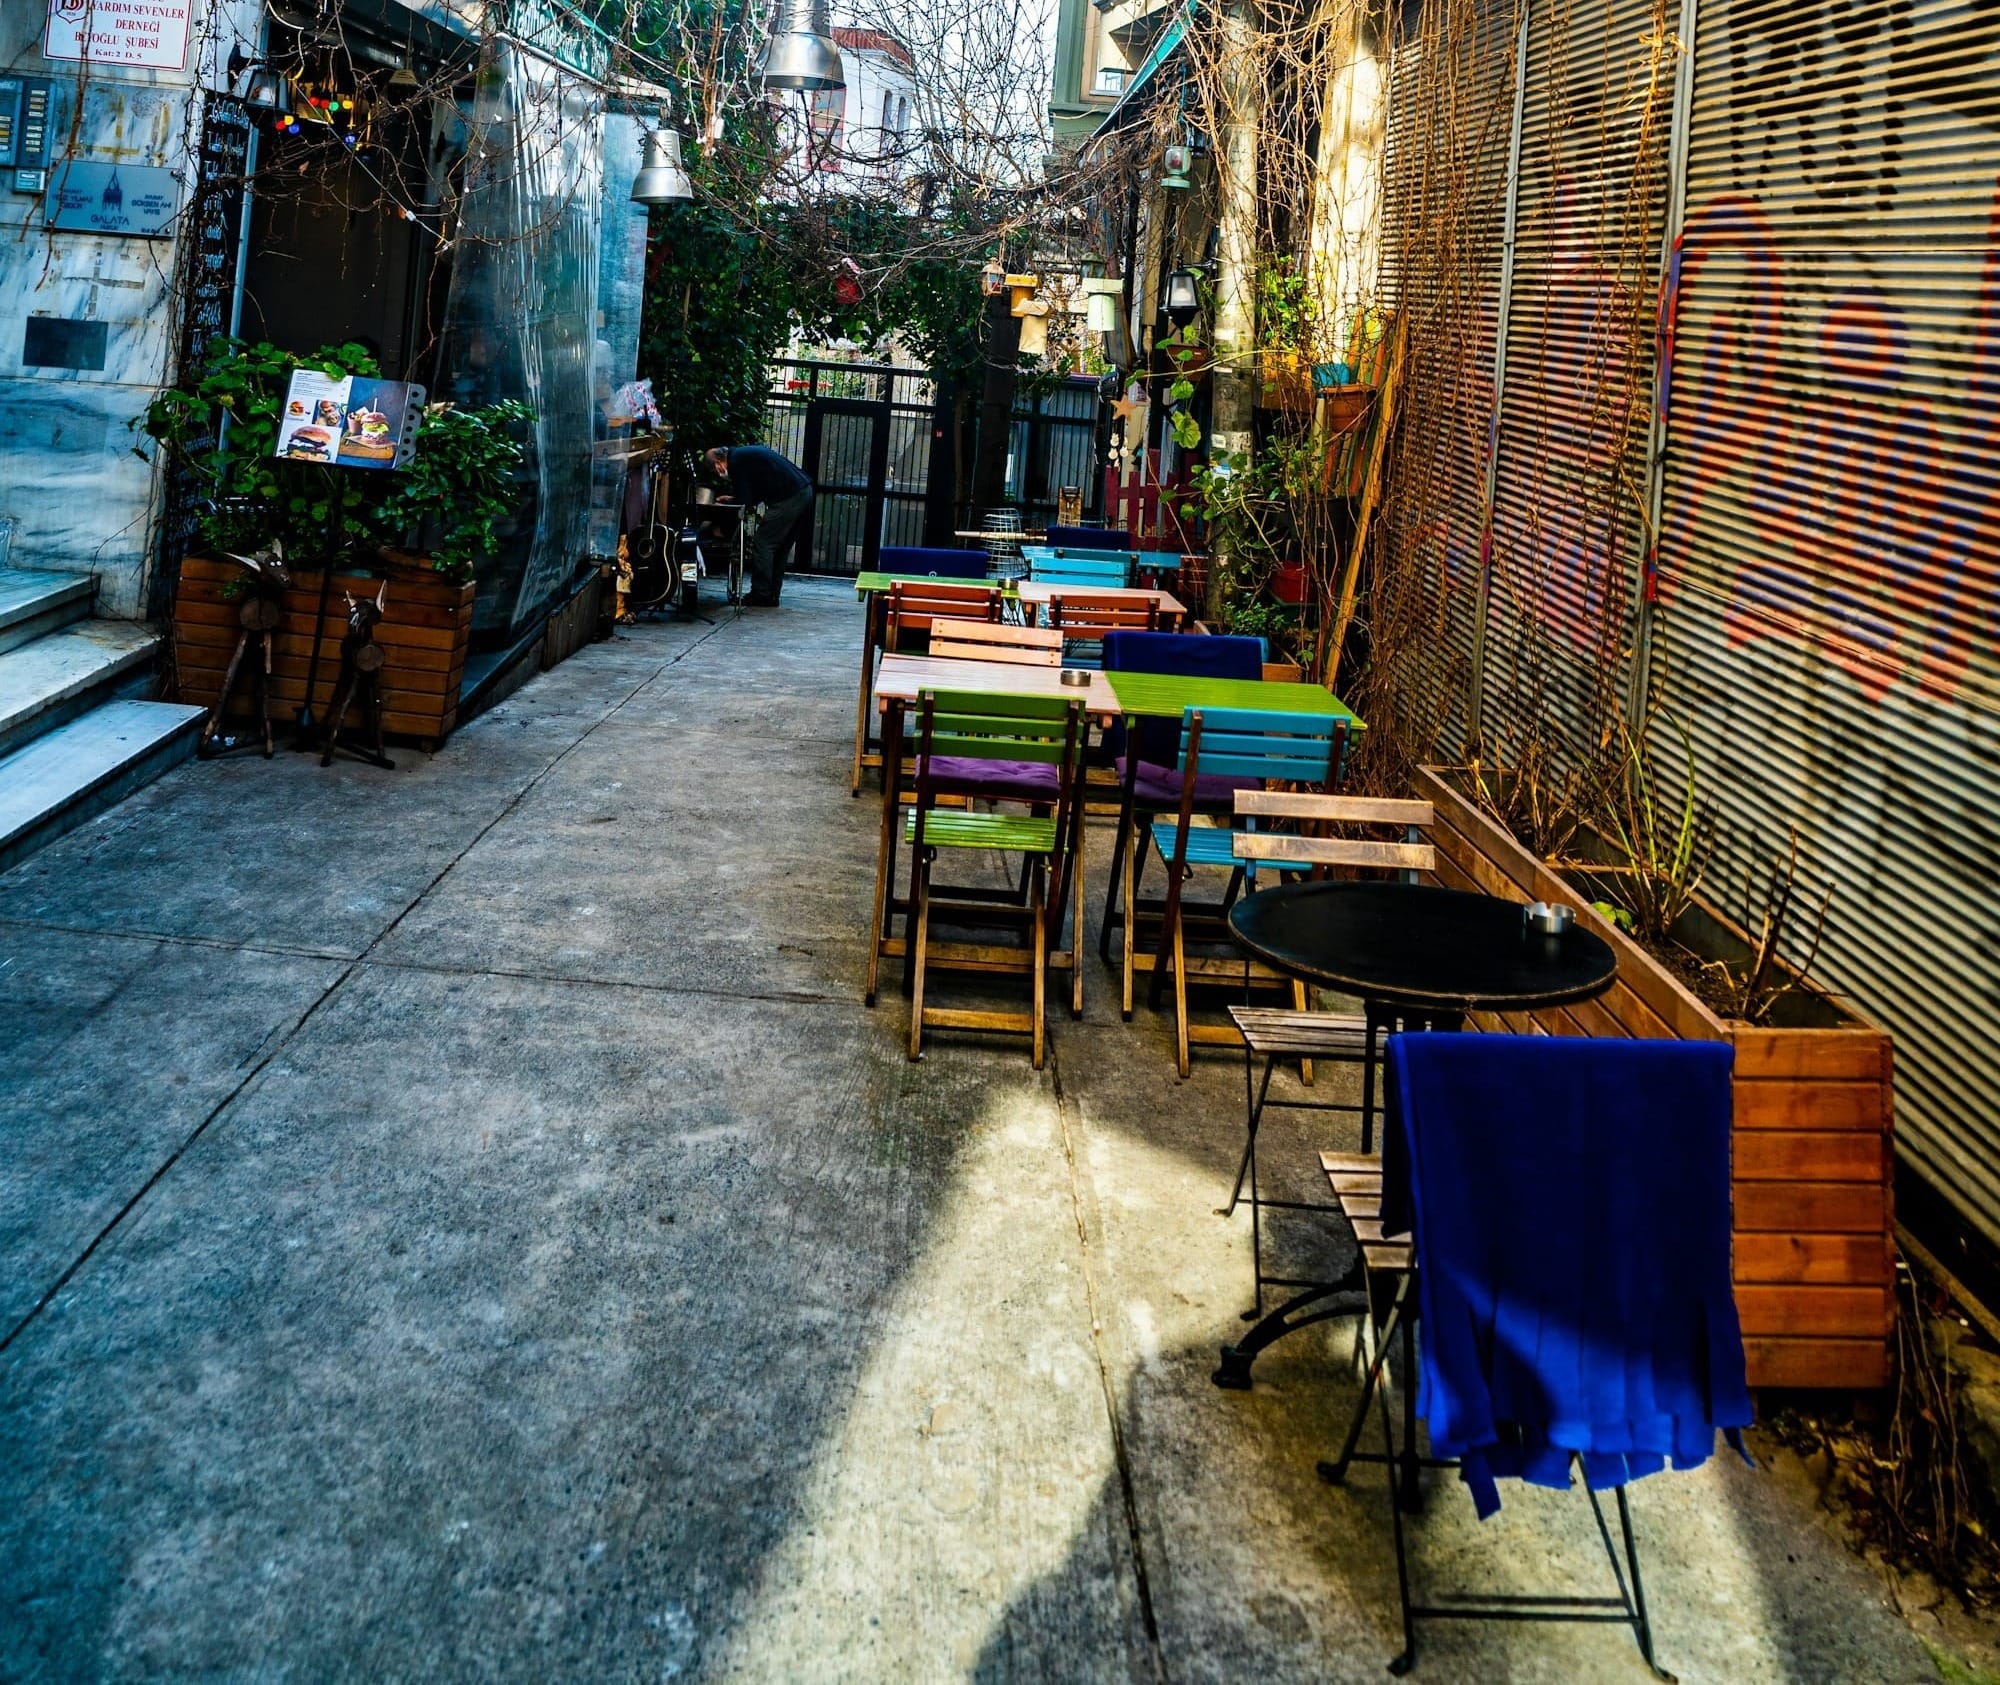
1098	568
1292	750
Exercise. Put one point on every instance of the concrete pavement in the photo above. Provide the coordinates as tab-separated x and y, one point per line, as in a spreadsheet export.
462	1223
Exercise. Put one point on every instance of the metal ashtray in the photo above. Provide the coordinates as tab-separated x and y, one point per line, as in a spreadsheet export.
1547	918
1078	678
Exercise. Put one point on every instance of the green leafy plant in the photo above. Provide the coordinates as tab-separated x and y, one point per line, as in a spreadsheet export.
1285	306
220	426
463	481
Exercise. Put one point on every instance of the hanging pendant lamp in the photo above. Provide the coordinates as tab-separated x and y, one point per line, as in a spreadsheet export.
802	53
661	179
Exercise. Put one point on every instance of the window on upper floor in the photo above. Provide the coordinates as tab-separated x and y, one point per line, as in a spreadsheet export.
1109	81
826	114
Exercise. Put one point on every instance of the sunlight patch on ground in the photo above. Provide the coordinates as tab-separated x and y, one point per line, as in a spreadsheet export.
976	1444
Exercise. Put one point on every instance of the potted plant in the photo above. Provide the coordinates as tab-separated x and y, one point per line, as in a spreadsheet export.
423	527
1812	1146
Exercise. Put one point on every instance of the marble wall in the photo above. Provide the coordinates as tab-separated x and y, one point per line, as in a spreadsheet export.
73	495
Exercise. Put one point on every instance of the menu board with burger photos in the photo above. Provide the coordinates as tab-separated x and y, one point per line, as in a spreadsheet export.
350	420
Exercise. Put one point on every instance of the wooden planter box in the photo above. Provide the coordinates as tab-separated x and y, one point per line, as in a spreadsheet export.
425	626
1814	1246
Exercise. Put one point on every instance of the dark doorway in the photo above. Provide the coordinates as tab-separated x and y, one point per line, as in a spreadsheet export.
847	455
862	432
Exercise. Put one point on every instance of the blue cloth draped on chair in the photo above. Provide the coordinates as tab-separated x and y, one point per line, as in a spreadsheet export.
1571	1211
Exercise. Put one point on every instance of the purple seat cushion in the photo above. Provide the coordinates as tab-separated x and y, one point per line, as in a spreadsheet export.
1020	781
1160	786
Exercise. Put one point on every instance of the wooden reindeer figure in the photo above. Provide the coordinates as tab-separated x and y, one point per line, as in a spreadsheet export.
259	613
361	660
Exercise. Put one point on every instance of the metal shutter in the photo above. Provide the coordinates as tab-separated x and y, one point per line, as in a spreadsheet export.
1450	115
1567	541
1831	525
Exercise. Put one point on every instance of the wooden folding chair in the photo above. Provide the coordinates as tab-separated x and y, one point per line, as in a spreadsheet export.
914	604
974	640
911	607
1015	730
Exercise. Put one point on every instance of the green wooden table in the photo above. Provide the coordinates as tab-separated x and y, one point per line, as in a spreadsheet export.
873	584
1165	696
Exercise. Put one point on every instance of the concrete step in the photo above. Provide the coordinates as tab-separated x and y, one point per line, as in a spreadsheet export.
33	603
67	673
73	773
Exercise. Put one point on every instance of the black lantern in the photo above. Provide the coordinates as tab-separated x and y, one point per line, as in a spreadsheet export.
1183	297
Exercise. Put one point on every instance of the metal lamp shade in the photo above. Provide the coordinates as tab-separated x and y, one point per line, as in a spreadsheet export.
1182	298
265	91
661	179
802	54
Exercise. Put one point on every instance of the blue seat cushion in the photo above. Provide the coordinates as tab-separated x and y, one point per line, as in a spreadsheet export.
945	564
1157	786
1089	538
1190	654
1018	781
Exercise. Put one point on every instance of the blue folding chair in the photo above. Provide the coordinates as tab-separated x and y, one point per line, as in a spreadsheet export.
1252	746
1143	750
941	564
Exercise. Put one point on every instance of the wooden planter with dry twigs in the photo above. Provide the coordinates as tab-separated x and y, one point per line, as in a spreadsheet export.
1814	1248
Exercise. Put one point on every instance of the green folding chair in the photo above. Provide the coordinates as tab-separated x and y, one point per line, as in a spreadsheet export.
954	727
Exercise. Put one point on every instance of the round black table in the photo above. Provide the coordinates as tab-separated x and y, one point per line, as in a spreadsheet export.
1414	950
1419	957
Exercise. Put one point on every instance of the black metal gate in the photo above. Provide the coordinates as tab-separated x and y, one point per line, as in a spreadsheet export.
861	432
846	451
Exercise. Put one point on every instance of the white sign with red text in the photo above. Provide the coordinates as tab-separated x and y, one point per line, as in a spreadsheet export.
149	33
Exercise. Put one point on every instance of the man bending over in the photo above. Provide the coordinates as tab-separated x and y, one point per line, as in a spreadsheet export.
757	474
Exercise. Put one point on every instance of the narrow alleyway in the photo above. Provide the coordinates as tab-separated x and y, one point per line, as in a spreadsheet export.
462	1223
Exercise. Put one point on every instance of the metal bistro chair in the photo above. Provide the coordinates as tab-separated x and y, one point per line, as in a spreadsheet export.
1646	1301
1274	1034
1241	743
911	607
1016	730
